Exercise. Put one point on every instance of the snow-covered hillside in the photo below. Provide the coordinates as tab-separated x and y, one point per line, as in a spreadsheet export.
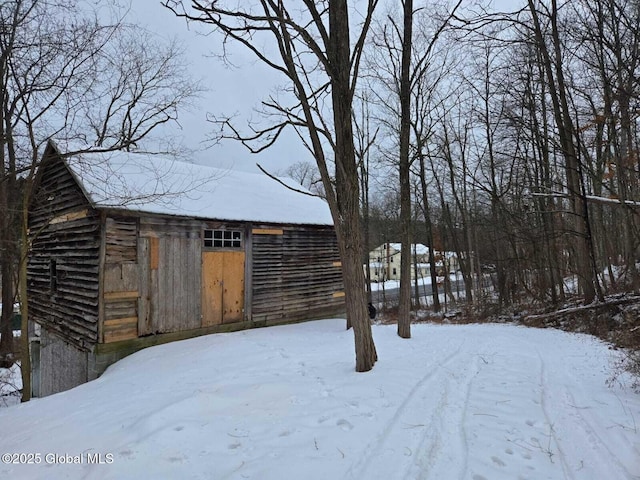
477	402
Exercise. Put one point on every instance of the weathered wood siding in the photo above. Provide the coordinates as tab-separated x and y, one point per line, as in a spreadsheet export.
295	273
121	279
148	276
61	365
65	244
169	255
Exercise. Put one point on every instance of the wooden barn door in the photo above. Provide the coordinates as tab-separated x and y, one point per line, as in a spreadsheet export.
170	281
222	287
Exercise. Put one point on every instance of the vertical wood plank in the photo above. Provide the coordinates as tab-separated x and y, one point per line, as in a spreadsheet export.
189	283
233	286
166	268
120	277
154	252
156	305
144	272
101	274
175	292
180	284
196	286
248	277
212	271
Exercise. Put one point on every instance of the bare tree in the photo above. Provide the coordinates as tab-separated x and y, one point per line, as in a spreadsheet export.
54	57
608	33
404	310
147	85
400	71
307	175
552	63
311	47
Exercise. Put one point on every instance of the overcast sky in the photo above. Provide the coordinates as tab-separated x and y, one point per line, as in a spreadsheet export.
229	91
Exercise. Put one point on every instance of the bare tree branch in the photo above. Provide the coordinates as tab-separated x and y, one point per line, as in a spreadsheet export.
303	192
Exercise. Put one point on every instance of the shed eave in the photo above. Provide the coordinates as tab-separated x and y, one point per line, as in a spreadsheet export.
119	209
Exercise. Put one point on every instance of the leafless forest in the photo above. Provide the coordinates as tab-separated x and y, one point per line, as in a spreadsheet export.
508	134
523	144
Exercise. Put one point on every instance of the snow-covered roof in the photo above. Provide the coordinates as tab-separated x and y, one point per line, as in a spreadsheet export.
158	184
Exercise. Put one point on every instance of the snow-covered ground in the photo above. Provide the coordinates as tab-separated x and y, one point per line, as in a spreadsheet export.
477	402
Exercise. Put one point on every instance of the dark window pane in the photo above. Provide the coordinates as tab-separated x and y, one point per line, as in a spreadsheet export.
222	238
53	276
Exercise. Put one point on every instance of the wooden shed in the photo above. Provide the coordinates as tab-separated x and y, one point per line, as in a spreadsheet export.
132	250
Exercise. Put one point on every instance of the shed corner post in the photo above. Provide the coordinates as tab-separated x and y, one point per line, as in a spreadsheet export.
248	274
101	269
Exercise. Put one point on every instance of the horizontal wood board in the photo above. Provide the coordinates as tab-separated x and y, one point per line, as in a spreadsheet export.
295	274
73	242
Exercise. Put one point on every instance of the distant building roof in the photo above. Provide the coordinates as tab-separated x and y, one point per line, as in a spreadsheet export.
417	248
159	184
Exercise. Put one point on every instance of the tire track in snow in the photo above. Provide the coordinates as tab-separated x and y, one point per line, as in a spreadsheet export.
544	396
432	470
427	442
463	421
595	443
442	419
591	441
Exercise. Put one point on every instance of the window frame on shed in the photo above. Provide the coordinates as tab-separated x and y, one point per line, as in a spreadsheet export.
223	238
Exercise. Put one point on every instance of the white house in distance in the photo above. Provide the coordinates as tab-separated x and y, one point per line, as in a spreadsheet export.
384	262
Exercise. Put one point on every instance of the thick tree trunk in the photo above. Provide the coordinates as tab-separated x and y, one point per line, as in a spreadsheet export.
346	212
356	300
404	310
25	359
7	357
6	244
8	276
